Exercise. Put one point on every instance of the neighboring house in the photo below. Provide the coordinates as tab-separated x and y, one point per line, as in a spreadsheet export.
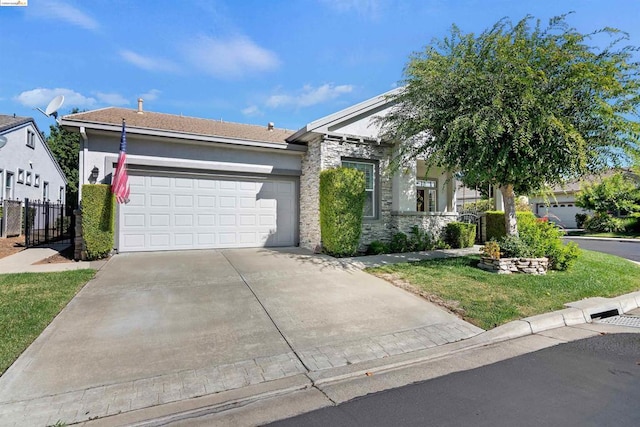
560	206
200	183
27	167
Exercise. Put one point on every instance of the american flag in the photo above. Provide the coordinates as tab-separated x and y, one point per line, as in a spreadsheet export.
120	182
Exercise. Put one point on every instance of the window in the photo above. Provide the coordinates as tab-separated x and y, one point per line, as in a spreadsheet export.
36	182
45	191
427	195
20	176
8	186
61	195
369	170
28	180
31	139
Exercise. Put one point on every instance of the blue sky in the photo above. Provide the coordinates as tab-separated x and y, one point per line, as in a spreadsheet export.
289	62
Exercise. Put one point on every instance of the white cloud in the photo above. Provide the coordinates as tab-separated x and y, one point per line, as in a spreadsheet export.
147	62
368	8
309	96
252	110
230	58
151	95
41	97
58	10
111	98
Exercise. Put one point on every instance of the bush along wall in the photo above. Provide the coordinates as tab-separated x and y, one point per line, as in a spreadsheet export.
460	234
341	209
98	220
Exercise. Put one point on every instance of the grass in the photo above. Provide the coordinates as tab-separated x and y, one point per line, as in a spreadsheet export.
28	303
489	300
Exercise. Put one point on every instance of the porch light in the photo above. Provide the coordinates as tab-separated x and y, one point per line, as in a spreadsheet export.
94	175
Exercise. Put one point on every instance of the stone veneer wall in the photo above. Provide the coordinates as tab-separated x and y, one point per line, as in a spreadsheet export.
310	196
80	248
515	265
432	222
325	153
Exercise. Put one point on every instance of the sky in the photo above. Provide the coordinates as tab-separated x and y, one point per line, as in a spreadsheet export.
284	61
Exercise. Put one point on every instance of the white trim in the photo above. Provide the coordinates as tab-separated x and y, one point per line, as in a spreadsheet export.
323	124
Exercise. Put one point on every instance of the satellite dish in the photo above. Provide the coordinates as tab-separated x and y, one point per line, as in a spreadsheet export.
53	107
3	141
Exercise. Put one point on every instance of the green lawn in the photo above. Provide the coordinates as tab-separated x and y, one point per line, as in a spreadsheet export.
28	303
489	300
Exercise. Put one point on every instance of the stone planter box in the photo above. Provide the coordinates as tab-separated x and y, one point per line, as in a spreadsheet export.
515	265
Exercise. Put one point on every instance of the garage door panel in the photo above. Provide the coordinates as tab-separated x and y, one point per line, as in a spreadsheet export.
160	200
159	220
183	201
187	213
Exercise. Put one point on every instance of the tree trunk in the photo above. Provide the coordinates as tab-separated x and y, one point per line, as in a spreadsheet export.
509	199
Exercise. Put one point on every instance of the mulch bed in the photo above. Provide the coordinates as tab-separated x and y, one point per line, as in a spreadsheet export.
11	245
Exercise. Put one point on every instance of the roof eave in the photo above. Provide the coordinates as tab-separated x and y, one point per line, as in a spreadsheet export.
76	124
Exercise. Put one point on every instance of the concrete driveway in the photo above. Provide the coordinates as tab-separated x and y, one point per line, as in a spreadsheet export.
153	328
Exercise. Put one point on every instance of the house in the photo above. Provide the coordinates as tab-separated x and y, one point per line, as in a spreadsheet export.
27	167
200	183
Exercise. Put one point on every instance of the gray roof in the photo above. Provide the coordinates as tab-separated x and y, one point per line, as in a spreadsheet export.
172	122
8	122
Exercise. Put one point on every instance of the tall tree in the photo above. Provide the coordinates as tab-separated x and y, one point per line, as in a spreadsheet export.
65	147
519	106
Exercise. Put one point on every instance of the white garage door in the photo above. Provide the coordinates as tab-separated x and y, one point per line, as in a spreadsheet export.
174	213
563	214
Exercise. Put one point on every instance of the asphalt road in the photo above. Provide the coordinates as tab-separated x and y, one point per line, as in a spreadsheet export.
628	250
591	382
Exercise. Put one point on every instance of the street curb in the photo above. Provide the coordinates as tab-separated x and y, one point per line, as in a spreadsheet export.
576	313
609	239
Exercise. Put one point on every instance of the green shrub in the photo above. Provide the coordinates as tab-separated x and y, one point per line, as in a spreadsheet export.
602	222
581	218
399	243
495	225
98	219
562	257
460	234
491	249
633	223
478	206
420	240
514	247
377	247
341	204
544	240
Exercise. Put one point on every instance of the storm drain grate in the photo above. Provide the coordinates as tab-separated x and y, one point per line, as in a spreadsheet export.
631	321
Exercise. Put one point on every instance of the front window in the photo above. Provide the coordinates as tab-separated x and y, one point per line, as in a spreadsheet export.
369	170
31	139
427	195
8	186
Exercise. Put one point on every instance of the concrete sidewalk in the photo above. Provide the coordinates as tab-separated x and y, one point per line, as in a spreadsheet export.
24	261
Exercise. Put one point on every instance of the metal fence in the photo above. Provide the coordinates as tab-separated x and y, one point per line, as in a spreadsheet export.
46	222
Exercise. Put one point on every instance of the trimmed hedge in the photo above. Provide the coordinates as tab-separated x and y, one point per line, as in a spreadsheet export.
342	194
495	223
460	234
98	220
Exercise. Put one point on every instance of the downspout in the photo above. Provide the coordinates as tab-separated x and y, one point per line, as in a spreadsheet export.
83	167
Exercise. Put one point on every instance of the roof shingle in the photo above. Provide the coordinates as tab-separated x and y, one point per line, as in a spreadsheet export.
7	122
175	123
